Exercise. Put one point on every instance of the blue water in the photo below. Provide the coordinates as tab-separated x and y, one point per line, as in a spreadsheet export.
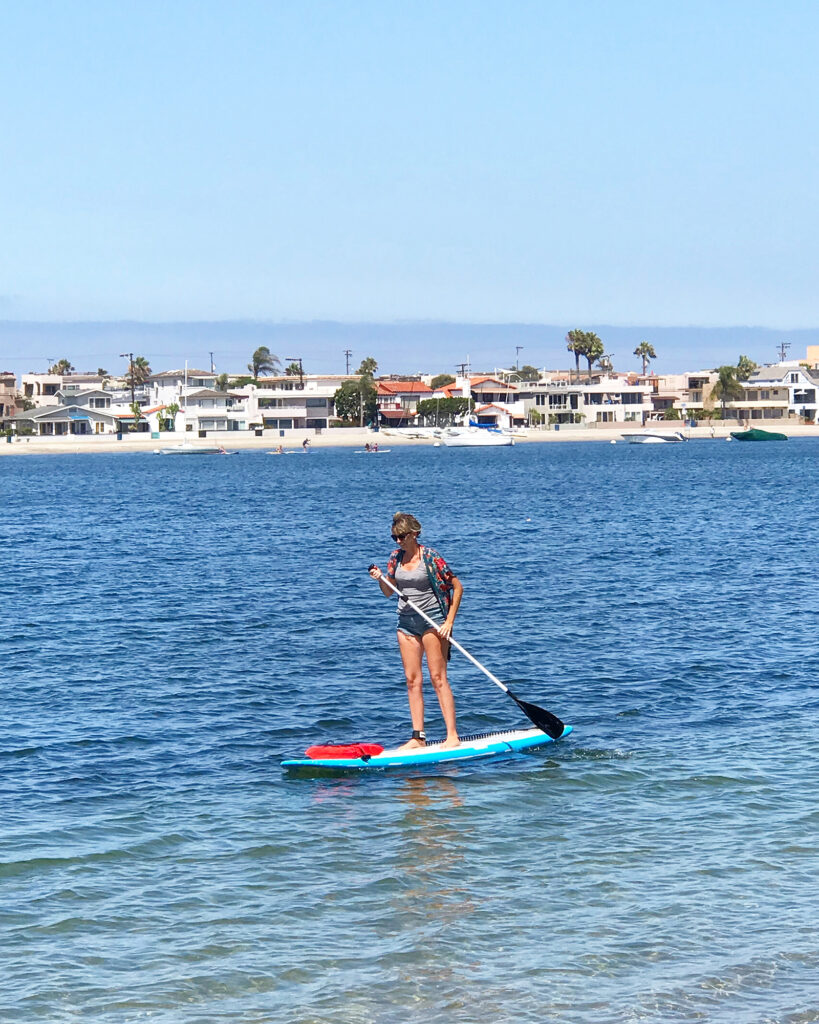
172	628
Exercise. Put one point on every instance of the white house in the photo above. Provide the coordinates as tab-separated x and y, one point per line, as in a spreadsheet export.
288	403
769	387
608	399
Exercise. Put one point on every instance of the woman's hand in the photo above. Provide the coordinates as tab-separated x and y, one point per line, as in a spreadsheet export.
375	572
445	630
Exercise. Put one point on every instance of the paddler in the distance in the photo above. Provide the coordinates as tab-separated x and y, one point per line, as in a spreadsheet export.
422	576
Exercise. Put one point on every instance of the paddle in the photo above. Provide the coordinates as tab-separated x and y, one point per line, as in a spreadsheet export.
543	719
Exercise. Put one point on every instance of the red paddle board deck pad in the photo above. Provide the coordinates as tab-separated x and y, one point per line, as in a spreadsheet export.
333	751
493	744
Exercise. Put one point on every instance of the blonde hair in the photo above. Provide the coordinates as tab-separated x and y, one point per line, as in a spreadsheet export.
404	522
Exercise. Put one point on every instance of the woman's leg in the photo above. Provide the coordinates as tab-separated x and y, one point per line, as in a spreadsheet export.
412	653
436	663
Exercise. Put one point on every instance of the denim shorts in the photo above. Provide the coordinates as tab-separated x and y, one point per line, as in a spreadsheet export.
413	624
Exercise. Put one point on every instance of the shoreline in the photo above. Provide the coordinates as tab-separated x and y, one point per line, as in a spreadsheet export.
352	438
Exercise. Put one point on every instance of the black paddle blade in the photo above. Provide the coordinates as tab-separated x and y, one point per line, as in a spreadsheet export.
543	719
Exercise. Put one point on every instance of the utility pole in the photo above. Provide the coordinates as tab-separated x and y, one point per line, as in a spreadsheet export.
297	359
348	353
212	367
517	356
783	348
130	357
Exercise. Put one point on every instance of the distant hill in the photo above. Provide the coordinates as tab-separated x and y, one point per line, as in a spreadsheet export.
405	347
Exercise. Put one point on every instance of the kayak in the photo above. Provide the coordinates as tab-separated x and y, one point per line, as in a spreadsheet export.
492	744
363	451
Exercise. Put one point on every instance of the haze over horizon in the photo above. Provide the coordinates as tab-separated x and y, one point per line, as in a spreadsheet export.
411	347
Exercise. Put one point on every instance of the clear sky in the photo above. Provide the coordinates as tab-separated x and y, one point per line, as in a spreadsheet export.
574	162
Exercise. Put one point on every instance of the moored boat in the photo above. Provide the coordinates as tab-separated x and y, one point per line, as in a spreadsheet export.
654	437
475	437
186	448
755	434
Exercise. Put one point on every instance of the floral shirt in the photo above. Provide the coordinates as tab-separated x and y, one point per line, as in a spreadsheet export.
439	572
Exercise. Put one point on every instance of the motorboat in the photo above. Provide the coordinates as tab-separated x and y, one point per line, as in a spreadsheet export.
654	437
186	448
756	434
475	437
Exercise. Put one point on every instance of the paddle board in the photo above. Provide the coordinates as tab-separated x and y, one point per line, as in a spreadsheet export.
492	744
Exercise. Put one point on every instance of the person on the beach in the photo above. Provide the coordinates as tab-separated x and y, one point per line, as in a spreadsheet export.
424	578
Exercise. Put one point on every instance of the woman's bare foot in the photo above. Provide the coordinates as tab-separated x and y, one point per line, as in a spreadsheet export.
450	743
412	744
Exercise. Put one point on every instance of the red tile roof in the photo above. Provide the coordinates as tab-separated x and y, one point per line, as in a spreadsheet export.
403	387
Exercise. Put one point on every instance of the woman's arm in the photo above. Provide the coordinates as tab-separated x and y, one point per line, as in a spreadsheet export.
376	574
457	592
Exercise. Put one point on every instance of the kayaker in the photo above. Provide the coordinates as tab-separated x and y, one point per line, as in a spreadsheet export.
424	577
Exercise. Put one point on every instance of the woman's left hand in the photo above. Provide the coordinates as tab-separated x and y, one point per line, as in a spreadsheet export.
445	630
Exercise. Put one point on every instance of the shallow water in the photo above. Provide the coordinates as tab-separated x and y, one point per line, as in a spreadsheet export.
174	627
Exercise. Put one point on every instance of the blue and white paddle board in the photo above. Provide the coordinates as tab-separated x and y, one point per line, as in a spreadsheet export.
492	744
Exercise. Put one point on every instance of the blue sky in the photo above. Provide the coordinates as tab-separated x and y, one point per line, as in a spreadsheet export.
583	163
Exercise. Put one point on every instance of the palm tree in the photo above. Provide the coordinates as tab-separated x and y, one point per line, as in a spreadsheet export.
727	387
141	370
591	349
263	361
368	367
645	350
62	367
745	367
575	344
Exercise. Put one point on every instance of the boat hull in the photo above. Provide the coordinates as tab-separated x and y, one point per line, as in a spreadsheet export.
477	439
652	437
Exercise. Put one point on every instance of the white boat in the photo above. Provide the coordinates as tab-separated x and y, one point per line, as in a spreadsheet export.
475	437
654	437
186	448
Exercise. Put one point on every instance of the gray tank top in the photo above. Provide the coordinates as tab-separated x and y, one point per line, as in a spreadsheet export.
414	584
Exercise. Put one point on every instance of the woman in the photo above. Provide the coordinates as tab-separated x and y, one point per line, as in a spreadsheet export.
424	578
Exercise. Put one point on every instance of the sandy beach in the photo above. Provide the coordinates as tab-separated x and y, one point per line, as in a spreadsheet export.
353	437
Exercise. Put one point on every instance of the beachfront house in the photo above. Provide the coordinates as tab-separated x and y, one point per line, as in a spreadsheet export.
607	400
288	403
209	409
398	401
10	403
45	389
769	386
171	386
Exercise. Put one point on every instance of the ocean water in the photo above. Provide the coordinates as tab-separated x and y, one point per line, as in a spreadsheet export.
173	628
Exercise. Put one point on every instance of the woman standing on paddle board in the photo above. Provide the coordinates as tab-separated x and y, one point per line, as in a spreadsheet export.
422	576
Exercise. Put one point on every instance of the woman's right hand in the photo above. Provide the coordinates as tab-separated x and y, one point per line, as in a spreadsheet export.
375	572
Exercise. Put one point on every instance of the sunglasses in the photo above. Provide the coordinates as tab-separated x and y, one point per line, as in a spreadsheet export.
399	536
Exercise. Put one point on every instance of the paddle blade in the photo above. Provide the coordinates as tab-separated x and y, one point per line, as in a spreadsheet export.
543	719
